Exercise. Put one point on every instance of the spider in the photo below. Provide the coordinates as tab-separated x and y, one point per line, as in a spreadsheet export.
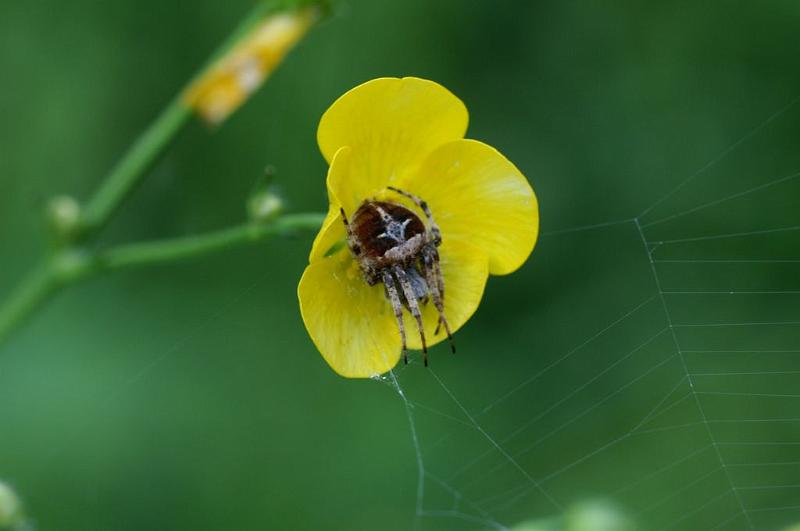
392	246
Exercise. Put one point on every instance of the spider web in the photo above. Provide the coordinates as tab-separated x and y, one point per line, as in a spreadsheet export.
655	363
680	404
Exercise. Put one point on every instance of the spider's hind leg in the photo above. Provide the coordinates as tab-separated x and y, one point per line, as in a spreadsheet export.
413	306
397	306
433	275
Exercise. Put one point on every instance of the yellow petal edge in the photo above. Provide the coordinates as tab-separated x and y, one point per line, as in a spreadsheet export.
350	322
479	197
391	124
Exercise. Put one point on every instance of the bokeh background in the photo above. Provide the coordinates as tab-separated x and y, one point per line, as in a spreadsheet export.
189	396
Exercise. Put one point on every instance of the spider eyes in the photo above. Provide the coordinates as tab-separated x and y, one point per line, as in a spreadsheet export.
357	249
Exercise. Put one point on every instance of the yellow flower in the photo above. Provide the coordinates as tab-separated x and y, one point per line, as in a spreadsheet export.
241	71
409	134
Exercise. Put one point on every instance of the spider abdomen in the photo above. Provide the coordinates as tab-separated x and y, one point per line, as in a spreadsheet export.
381	227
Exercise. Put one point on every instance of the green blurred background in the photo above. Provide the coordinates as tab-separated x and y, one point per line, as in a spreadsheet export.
189	396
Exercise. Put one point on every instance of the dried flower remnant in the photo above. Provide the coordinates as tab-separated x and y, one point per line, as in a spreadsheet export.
228	83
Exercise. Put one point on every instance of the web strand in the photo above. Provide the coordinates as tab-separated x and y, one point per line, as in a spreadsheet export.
417	450
713	427
688	376
723	200
497	446
563	358
719	158
584	228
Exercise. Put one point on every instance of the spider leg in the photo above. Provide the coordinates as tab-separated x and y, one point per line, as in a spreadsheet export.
411	301
351	237
434	279
435	231
438	272
397	306
439	281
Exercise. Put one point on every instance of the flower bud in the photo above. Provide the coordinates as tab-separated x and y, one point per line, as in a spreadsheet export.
10	508
63	215
72	264
590	515
264	206
597	515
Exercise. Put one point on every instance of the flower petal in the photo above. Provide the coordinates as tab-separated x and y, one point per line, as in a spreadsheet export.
349	321
391	124
478	196
465	270
332	231
465	266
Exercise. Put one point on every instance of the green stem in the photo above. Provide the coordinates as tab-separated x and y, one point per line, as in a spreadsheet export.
171	250
71	262
144	153
70	266
29	294
128	172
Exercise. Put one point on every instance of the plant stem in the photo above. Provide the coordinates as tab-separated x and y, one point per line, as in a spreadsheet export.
128	172
69	266
144	153
72	262
29	294
171	250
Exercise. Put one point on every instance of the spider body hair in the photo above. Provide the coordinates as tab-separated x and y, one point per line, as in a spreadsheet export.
394	247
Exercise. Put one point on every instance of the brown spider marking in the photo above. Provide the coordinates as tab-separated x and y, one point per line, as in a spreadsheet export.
393	246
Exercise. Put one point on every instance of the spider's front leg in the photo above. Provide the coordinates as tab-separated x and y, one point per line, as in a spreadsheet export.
371	275
436	233
352	241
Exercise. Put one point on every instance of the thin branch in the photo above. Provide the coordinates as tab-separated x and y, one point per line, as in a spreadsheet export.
128	172
144	153
29	295
175	249
72	261
70	266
